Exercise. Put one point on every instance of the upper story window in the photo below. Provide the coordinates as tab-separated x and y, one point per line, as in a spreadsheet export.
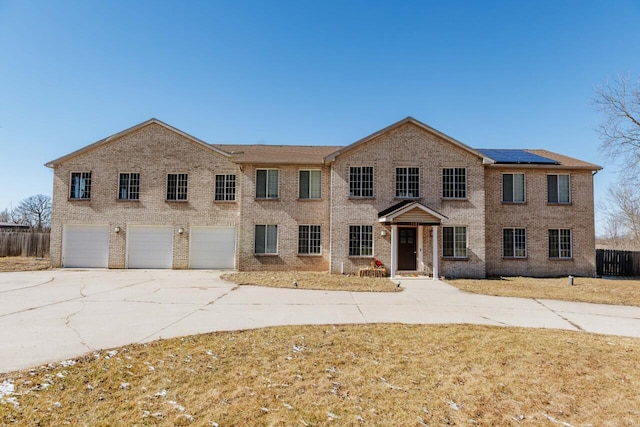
407	182
361	181
360	240
310	186
454	242
559	188
80	185
177	186
225	187
266	240
513	188
454	183
514	243
309	240
560	243
267	184
129	186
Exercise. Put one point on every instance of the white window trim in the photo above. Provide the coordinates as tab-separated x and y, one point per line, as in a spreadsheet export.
309	254
558	189
265	236
466	227
139	185
524	190
373	182
299	182
266	196
559	257
166	188
69	189
215	182
466	183
526	245
395	190
373	241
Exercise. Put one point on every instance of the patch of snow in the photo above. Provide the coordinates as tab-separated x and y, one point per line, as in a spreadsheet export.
562	423
421	421
44	385
286	405
13	401
67	363
125	386
332	416
152	369
89	387
110	354
359	418
265	410
162	393
298	348
157	415
214	424
7	388
454	405
60	375
58	405
177	406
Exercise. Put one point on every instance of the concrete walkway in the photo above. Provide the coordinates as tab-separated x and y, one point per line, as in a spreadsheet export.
58	314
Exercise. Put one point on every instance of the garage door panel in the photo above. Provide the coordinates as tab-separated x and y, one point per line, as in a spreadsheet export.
85	246
149	247
212	247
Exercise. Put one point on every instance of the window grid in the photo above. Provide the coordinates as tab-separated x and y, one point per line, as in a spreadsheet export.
361	181
407	182
129	186
177	186
80	187
560	243
454	183
267	183
360	240
310	184
559	188
454	242
309	239
225	187
266	239
513	189
514	243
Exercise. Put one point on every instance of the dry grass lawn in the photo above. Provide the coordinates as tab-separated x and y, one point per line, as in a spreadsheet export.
340	375
585	289
24	264
312	280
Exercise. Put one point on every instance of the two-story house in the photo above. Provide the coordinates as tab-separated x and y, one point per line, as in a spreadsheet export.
408	195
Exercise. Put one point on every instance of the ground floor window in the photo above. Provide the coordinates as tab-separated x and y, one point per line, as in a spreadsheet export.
266	239
560	243
309	239
360	240
514	243
454	242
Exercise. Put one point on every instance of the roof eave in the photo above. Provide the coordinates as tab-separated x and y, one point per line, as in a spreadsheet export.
544	166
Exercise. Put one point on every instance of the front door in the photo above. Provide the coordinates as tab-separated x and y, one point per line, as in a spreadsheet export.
407	249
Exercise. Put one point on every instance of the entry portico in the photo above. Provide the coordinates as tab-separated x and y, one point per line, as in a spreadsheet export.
407	221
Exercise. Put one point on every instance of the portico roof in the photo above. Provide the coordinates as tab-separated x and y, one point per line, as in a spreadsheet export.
409	211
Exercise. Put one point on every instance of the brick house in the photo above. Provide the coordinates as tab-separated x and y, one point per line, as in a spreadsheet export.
408	195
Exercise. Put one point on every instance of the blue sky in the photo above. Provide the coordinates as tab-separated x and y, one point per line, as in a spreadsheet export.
492	74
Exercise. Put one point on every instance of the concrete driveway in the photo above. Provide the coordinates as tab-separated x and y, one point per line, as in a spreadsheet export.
54	315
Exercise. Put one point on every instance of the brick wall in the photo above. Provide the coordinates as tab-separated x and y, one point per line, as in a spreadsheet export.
408	145
537	217
153	151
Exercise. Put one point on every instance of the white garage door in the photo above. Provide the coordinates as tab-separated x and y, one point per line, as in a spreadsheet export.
212	247
149	247
85	246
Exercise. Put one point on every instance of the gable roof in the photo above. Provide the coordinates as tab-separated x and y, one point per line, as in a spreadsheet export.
109	139
417	123
278	154
421	213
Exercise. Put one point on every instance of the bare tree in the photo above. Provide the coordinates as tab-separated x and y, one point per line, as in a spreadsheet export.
5	216
620	132
34	211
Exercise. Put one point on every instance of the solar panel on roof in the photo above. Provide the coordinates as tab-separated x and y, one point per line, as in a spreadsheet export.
515	156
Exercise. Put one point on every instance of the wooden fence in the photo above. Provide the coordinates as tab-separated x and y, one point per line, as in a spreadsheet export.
617	263
24	244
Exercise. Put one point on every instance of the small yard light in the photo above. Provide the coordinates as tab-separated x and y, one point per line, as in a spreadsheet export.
116	229
570	280
383	232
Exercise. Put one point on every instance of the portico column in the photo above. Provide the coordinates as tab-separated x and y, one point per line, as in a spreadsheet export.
394	250
435	252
